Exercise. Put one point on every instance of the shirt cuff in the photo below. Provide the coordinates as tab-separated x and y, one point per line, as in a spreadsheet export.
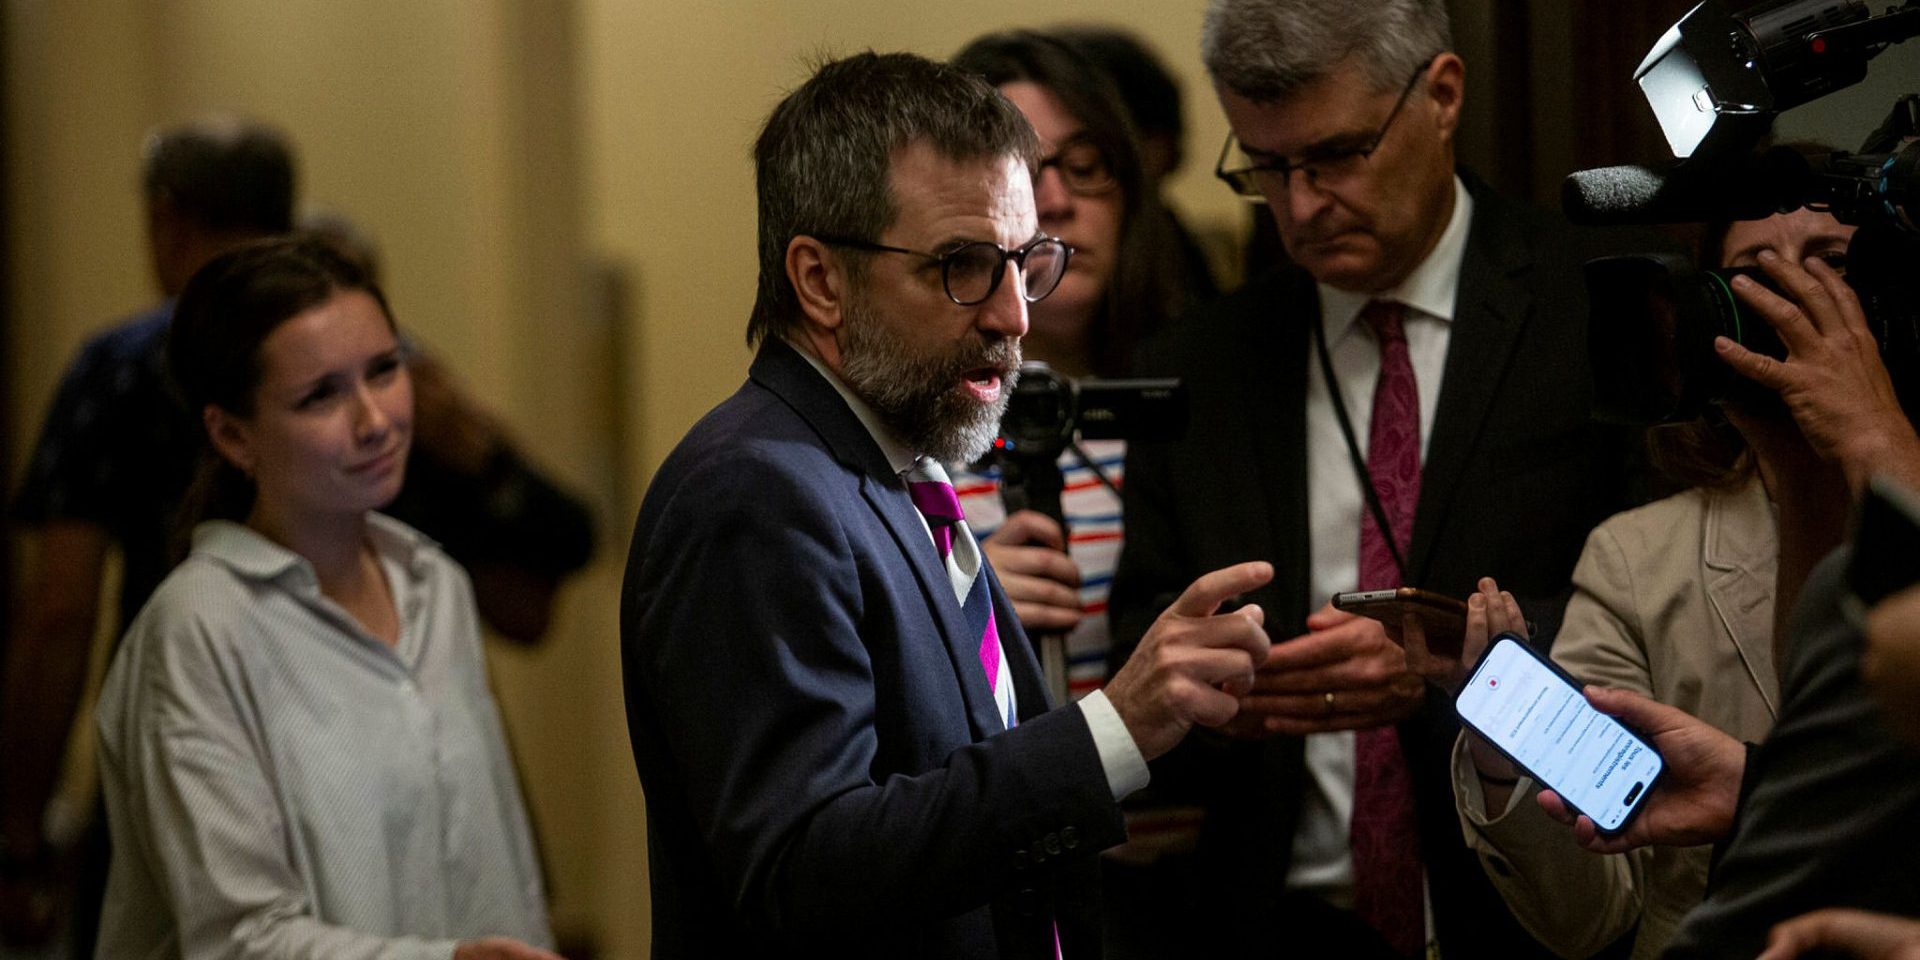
1120	757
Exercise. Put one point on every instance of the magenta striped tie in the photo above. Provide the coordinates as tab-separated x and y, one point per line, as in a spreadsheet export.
934	497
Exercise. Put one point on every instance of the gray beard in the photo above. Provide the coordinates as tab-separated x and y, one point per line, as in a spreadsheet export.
915	395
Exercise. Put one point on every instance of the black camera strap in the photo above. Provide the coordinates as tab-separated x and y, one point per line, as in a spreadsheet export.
1359	459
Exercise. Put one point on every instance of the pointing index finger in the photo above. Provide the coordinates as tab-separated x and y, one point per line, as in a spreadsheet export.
1207	593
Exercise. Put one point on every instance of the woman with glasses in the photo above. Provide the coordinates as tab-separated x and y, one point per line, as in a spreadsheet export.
300	754
1121	283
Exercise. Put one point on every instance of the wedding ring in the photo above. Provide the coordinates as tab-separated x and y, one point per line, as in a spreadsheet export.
1329	702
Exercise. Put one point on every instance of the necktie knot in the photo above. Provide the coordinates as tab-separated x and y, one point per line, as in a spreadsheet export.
1388	320
936	501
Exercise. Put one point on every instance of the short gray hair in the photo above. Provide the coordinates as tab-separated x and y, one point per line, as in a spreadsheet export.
1266	50
823	162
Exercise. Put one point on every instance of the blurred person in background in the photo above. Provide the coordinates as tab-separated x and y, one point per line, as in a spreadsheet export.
1127	276
117	452
1152	98
1890	666
113	461
299	751
1122	283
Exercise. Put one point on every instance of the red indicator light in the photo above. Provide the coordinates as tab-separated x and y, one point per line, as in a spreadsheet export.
1819	44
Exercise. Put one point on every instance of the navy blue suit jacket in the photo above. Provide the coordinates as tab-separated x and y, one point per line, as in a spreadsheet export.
823	763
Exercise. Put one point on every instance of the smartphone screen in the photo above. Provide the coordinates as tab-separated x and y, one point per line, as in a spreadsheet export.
1539	719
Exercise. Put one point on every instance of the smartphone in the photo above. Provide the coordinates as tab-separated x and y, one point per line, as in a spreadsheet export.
1443	619
1533	712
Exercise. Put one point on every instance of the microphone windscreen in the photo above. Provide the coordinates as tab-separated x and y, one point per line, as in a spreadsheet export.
1605	195
1615	196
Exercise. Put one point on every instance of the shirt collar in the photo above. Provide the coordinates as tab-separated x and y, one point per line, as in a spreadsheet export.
250	554
1429	290
899	456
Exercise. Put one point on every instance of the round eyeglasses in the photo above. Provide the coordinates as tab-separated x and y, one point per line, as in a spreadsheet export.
971	272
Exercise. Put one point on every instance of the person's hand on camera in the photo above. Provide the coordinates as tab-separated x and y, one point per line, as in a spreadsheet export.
1342	674
1869	936
1194	663
1693	802
1029	553
1832	379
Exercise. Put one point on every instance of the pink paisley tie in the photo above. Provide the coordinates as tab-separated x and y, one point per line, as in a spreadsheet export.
1387	874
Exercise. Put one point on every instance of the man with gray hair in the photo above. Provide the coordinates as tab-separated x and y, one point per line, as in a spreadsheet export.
1405	404
843	734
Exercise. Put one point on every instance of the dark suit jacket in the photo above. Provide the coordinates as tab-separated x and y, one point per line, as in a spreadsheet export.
1515	476
824	767
1830	812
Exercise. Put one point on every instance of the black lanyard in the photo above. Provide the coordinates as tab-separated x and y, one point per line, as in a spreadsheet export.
1353	448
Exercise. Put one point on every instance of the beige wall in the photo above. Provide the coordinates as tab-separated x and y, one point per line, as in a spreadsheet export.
448	129
564	198
675	94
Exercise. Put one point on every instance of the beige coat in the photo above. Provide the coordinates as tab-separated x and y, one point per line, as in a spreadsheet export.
1673	600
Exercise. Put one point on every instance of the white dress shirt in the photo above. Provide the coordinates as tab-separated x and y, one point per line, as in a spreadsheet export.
1322	862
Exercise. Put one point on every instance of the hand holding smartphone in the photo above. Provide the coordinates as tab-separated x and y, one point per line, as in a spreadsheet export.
1534	714
1442	618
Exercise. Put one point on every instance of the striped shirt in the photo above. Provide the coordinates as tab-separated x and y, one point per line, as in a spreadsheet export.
280	783
1093	536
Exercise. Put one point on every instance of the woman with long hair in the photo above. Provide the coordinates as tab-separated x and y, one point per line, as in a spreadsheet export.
300	753
1123	283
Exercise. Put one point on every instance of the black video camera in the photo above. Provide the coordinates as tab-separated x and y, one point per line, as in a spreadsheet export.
1716	81
1048	411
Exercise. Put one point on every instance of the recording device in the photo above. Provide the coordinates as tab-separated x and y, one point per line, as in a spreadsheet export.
1442	619
1047	415
1048	411
1534	714
1715	82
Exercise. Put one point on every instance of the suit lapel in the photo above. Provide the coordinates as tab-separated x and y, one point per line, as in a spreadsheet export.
1491	311
888	497
1741	584
1029	683
782	370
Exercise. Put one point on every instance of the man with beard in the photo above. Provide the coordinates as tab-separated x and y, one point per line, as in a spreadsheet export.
843	735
